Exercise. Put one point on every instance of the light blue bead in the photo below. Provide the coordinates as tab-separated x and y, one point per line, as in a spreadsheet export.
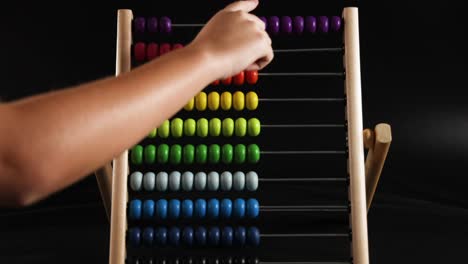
187	209
238	208
252	208
213	209
225	210
149	181
134	212
161	209
136	180
200	209
162	181
174	209
148	209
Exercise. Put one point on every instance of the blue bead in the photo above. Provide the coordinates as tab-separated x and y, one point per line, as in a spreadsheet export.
148	209
161	209
174	236
187	209
252	208
148	236
174	209
238	209
200	208
134	212
160	236
200	235
214	236
225	209
187	236
240	236
213	208
253	236
134	236
227	236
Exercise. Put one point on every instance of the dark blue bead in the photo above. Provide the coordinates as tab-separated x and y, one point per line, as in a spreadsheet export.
161	209
240	236
134	236
200	235
148	209
214	236
187	209
187	236
174	236
238	209
253	236
161	236
252	208
200	208
225	210
148	236
213	208
227	236
174	209
134	212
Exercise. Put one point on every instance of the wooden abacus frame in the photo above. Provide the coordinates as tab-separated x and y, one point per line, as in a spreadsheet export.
361	173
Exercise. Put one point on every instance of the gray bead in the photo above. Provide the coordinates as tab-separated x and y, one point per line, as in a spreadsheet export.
187	181
149	180
226	181
174	181
136	179
238	181
162	180
200	181
251	180
213	181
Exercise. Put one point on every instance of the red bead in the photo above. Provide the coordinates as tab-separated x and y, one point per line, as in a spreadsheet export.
252	77
139	51
177	46
164	48
216	82
152	51
227	81
239	78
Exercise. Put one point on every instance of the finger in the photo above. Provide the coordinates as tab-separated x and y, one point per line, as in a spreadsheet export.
246	6
260	24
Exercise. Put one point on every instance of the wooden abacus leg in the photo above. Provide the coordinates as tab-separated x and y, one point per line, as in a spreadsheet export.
104	180
378	143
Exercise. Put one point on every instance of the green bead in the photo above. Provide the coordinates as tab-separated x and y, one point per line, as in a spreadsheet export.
177	127
239	154
215	127
214	154
253	153
241	127
201	154
227	154
150	154
202	127
189	154
190	127
137	155
164	130
228	127
153	133
163	153
254	127
175	156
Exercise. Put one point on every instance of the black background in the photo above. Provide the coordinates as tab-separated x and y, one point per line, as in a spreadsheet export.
413	65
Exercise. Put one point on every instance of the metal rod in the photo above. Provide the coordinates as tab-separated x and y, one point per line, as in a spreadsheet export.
326	74
305	152
302	99
305	235
301	179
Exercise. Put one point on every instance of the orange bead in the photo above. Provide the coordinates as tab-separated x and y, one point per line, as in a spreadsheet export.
227	81
215	83
252	77
239	78
152	51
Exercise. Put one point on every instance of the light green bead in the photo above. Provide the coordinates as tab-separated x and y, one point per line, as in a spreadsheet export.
254	127
153	133
228	127
190	127
241	127
164	129
177	127
215	127
202	127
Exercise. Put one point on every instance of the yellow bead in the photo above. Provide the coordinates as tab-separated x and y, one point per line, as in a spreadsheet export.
213	101
226	100
200	101
251	101
189	106
238	101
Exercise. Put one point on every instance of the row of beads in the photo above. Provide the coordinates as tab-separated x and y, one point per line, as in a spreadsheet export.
299	24
201	154
250	77
200	260
178	128
214	101
145	52
152	25
188	181
200	209
188	236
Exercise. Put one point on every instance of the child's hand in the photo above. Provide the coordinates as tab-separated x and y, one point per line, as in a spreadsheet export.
236	40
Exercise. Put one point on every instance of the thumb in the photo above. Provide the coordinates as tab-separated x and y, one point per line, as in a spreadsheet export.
243	5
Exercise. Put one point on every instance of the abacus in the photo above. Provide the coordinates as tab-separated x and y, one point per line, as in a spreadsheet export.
219	183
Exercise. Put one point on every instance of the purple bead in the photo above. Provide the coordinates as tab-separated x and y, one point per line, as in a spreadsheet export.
298	25
311	24
152	24
165	25
264	21
139	24
274	25
286	25
324	24
336	23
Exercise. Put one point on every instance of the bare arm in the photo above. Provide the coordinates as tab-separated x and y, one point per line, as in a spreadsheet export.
53	140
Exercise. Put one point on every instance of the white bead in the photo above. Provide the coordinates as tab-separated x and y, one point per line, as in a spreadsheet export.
226	181
187	181
136	179
162	181
174	181
200	181
149	180
251	180
213	181
238	181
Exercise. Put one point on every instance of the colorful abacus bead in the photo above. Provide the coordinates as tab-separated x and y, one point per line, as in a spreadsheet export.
336	23
286	25
139	51
251	77
324	24
164	48
139	25
298	25
152	51
311	24
165	24
274	25
152	24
